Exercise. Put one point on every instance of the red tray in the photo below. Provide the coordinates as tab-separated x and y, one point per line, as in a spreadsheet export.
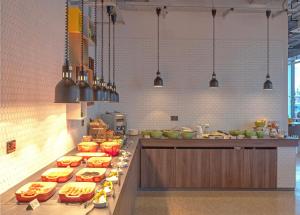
42	191
77	191
59	175
87	155
99	162
72	161
91	174
87	147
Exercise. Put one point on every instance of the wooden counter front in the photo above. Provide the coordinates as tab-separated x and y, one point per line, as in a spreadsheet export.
212	164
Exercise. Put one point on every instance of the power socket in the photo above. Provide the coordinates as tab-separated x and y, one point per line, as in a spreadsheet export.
11	146
174	118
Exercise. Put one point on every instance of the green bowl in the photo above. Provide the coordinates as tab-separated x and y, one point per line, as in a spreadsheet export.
187	134
235	133
146	132
250	133
260	134
156	134
172	134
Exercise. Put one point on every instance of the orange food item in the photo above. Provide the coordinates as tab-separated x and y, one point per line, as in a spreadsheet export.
87	155
91	174
112	148
87	147
42	191
72	161
59	175
77	191
99	162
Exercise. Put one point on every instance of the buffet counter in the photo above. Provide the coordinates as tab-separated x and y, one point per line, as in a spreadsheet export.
218	163
180	164
121	204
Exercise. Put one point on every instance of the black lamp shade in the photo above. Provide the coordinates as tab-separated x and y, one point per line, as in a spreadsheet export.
158	82
268	85
85	91
97	93
213	82
66	90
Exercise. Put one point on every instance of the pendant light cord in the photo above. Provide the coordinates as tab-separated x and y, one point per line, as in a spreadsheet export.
109	47
268	13
95	40
67	34
102	18
214	11
82	36
158	10
114	67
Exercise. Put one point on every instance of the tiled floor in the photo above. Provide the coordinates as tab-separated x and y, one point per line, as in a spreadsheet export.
221	202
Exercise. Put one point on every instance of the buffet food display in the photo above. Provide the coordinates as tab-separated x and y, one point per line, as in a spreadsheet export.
77	192
99	162
89	165
59	175
72	161
42	191
90	175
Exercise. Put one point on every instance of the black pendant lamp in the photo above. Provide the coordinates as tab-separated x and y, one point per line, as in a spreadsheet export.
96	86
115	95
109	85
86	92
66	91
102	84
158	81
214	82
268	83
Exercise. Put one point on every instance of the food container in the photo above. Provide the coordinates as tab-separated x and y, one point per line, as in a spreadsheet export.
172	134
72	161
87	147
188	134
90	174
108	187
42	191
100	199
156	134
87	138
112	148
77	191
99	162
87	155
59	175
133	132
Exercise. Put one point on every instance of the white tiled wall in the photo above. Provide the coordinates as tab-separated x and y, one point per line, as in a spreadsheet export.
32	42
186	67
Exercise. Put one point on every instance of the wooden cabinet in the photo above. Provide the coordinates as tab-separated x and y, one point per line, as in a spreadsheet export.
209	167
192	168
157	167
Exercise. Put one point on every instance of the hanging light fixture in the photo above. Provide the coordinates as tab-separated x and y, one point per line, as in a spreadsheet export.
109	85
102	84
86	92
214	82
96	86
66	91
158	81
268	83
115	94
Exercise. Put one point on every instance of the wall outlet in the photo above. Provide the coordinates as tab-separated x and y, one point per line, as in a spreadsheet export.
11	146
174	118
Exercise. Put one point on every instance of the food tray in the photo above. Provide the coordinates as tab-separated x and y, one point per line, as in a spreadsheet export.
59	175
112	148
72	161
77	192
91	174
87	155
87	147
42	191
99	162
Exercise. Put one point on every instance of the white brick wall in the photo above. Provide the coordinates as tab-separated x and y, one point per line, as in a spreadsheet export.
186	67
32	42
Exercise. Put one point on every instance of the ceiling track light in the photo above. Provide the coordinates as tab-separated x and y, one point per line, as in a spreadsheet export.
66	90
115	97
158	81
85	91
96	86
102	84
268	85
214	82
